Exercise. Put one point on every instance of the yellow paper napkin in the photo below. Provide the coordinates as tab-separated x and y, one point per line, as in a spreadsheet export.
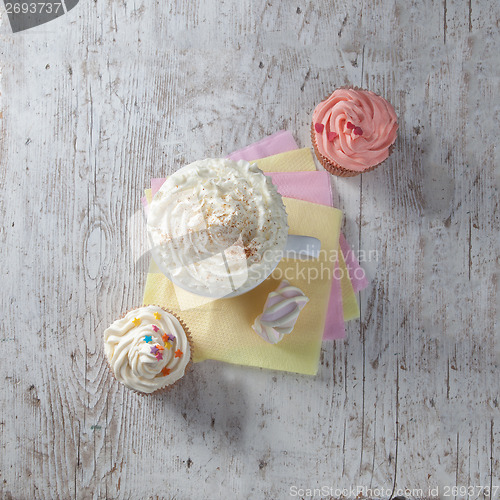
297	160
221	329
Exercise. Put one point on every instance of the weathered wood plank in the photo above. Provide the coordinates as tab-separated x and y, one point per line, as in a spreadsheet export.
98	102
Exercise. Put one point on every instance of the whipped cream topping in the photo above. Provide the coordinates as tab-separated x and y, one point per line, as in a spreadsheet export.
217	226
281	310
354	128
147	349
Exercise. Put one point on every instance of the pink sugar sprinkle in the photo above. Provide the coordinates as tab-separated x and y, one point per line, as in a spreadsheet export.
358	131
331	135
319	127
350	125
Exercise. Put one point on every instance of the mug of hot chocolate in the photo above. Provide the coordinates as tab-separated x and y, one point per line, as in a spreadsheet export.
218	228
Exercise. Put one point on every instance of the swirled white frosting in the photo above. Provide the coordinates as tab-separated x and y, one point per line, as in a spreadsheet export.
281	311
131	346
217	226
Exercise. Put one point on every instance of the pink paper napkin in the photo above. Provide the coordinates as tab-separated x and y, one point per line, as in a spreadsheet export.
280	142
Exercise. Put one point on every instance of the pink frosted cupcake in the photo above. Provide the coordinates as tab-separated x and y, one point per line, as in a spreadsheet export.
353	131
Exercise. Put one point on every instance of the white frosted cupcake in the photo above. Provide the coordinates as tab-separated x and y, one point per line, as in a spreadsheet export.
148	349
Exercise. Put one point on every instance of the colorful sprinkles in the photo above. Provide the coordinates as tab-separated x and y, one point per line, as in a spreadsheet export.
168	339
168	336
331	136
319	127
158	348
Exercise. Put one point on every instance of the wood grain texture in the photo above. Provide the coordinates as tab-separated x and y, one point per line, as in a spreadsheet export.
99	101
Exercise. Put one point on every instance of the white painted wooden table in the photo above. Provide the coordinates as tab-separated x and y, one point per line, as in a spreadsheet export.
97	102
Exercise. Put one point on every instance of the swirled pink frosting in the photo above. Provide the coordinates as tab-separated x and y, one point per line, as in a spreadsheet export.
355	128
